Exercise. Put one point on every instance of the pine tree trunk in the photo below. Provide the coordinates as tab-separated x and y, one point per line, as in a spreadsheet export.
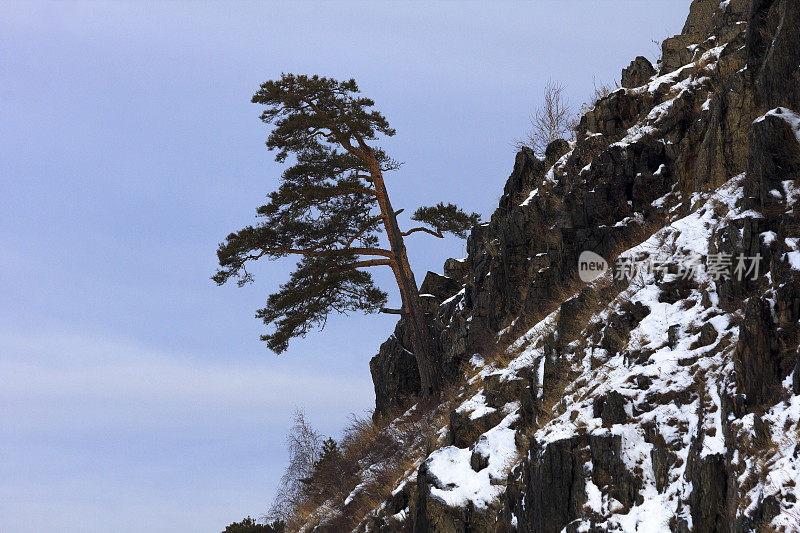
424	352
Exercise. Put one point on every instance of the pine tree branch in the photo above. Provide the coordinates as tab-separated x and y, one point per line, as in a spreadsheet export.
365	263
343	140
426	230
390	311
371	222
318	253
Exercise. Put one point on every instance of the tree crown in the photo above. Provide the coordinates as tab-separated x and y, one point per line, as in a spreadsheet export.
327	208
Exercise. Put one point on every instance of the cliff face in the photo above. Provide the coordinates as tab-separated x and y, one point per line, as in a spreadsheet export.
661	398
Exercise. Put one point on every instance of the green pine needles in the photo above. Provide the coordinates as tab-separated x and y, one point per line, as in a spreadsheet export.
333	211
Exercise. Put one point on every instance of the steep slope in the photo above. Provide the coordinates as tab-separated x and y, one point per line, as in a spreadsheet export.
662	396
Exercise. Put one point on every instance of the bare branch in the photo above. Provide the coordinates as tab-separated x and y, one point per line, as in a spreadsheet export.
551	121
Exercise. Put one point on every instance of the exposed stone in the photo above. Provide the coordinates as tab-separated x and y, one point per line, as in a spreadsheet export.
676	289
757	366
499	392
796	377
479	458
456	268
520	261
620	324
435	516
442	287
662	460
572	317
672	335
637	73
465	430
774	51
708	334
707	500
555	150
610	408
395	375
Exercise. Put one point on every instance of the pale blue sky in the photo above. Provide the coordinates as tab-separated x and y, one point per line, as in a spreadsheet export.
134	393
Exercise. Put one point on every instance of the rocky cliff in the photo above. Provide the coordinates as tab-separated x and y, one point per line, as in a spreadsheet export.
662	395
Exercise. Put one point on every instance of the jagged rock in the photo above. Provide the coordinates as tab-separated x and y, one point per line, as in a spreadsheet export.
619	327
662	460
442	287
555	150
499	392
637	73
741	237
774	158
699	18
435	516
774	52
529	404
572	318
708	334
456	268
554	480
395	375
796	376
465	430
675	51
610	408
612	115
672	335
592	195
755	359
479	458
676	289
707	501
556	486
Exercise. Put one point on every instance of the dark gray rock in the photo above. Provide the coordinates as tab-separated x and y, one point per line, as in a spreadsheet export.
554	151
796	377
708	334
672	335
456	268
620	324
464	431
610	408
662	460
395	374
434	516
637	73
439	286
773	52
573	314
707	501
755	357
498	393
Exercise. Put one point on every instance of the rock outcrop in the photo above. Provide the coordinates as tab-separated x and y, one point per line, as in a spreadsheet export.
655	398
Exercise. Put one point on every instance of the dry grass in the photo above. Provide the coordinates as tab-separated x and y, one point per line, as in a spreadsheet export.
374	458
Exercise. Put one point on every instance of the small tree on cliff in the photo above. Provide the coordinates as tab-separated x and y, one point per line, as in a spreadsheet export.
553	120
330	209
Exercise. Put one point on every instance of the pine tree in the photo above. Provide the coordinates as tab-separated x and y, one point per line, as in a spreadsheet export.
330	452
332	209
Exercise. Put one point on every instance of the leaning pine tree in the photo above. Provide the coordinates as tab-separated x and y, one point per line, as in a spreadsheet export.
331	209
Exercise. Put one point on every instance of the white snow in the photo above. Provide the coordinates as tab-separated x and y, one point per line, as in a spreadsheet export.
456	483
